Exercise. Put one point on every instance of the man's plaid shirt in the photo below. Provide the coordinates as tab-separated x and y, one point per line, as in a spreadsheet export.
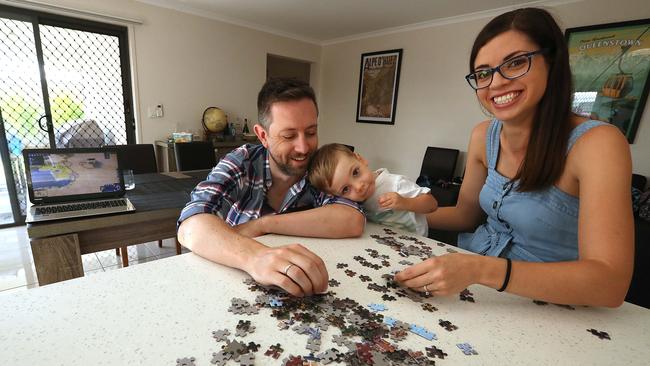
235	189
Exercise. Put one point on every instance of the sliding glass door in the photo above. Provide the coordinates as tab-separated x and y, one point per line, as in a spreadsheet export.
64	82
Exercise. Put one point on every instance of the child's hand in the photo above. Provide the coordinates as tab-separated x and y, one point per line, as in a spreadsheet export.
391	201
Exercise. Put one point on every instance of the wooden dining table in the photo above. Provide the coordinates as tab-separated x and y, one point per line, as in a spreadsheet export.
57	246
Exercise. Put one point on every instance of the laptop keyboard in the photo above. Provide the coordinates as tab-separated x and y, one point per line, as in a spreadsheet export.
79	206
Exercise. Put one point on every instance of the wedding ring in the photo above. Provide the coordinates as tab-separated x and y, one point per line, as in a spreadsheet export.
286	270
426	290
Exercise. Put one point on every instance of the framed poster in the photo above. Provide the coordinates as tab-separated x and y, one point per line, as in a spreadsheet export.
378	85
610	65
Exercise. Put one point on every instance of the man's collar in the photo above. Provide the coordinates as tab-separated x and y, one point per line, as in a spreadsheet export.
268	178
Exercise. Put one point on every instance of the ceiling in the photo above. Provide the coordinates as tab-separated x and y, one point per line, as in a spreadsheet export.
331	21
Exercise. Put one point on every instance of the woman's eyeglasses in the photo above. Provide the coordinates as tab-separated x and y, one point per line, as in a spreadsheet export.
516	67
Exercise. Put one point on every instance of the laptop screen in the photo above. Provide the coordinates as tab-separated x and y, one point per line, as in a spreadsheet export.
68	174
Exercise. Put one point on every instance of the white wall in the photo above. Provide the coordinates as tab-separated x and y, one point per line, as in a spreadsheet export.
435	106
188	63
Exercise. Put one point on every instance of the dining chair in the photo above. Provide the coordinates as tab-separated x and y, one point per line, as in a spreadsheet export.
141	159
439	163
194	155
638	293
639	181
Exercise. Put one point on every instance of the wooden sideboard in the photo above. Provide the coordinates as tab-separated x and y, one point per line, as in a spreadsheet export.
167	160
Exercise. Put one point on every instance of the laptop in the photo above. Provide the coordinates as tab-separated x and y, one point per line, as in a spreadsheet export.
79	182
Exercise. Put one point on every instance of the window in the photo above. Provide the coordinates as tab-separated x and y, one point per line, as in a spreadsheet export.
64	82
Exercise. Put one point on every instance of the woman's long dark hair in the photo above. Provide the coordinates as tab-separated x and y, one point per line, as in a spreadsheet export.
547	147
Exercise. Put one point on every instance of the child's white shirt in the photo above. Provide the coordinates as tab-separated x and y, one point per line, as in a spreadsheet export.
405	220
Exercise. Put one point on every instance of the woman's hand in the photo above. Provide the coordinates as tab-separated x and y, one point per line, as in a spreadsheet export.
444	275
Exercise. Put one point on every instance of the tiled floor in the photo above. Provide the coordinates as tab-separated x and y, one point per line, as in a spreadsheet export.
17	271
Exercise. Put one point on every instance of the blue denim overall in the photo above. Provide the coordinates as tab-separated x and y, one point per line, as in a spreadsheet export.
539	226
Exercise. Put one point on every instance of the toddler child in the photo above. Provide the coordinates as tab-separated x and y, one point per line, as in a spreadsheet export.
388	199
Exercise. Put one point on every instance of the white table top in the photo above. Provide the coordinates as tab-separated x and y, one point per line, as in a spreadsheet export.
155	313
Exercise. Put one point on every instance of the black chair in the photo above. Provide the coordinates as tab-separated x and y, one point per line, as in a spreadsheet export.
194	155
638	292
438	167
141	158
439	163
639	181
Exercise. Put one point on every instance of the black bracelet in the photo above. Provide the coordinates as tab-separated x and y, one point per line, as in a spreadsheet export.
507	279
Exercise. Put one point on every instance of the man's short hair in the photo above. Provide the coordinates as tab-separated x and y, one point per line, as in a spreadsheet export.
323	164
281	90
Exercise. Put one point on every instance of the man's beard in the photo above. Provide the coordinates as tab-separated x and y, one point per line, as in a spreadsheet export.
287	169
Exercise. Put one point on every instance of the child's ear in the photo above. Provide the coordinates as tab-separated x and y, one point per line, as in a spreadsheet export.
361	159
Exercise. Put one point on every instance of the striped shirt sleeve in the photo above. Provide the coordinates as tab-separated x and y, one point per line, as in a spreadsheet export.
323	199
218	192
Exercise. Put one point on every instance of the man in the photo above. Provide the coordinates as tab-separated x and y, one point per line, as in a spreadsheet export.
238	200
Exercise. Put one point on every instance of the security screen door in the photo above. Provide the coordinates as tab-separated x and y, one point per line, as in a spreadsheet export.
64	82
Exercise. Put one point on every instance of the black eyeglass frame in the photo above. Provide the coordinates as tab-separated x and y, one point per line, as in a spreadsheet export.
528	55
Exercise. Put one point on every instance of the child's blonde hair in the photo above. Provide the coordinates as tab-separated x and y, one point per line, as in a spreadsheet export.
323	164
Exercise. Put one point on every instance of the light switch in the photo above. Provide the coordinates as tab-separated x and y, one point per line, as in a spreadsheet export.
155	111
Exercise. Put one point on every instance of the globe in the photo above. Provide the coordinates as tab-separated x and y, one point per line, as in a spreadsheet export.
214	120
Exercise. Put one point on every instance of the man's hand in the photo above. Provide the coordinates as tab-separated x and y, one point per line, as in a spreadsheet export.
391	201
292	267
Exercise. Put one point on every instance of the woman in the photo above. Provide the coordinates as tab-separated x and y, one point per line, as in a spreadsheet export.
554	186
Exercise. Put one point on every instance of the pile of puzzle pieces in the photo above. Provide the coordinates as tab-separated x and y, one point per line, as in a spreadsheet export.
366	337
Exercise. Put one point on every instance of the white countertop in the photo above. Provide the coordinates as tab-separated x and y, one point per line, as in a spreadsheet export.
155	313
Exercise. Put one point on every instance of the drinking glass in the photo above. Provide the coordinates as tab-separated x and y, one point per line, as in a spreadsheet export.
129	182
